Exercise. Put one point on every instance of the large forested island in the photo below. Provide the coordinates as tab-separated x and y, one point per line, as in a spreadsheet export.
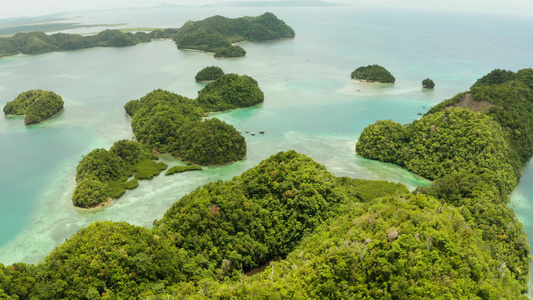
214	34
37	106
373	73
474	146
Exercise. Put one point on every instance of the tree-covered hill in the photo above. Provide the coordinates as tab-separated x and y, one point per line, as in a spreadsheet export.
507	97
373	73
209	73
229	92
473	146
36	105
216	34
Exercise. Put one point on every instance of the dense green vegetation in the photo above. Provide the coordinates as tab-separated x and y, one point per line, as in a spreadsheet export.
209	142
170	123
36	105
442	143
180	169
216	34
474	146
334	238
102	175
506	97
209	73
373	73
230	91
157	117
428	83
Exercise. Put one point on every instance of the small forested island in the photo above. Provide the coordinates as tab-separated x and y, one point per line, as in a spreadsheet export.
333	238
217	34
428	83
103	175
214	34
373	73
474	147
229	92
37	106
209	74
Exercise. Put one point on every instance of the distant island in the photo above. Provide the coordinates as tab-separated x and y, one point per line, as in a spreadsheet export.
215	34
209	74
37	106
428	83
373	73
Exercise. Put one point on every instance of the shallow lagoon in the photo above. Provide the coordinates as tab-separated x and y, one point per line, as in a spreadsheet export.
311	105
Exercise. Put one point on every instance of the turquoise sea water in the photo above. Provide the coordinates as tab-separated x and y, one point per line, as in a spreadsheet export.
311	105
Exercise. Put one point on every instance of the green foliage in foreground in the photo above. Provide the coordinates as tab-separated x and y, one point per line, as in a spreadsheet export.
216	34
230	91
181	169
102	175
373	73
209	73
428	83
331	244
37	105
404	247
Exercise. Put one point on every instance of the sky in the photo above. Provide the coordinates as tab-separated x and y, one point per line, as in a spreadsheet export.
21	8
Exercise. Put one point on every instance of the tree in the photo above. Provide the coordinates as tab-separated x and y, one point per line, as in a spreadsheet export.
428	83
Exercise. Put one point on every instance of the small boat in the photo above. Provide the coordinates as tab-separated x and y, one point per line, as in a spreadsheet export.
420	114
247	131
262	132
253	133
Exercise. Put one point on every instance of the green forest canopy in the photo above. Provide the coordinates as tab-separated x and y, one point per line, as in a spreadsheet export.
209	73
373	73
36	105
334	238
102	175
473	146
